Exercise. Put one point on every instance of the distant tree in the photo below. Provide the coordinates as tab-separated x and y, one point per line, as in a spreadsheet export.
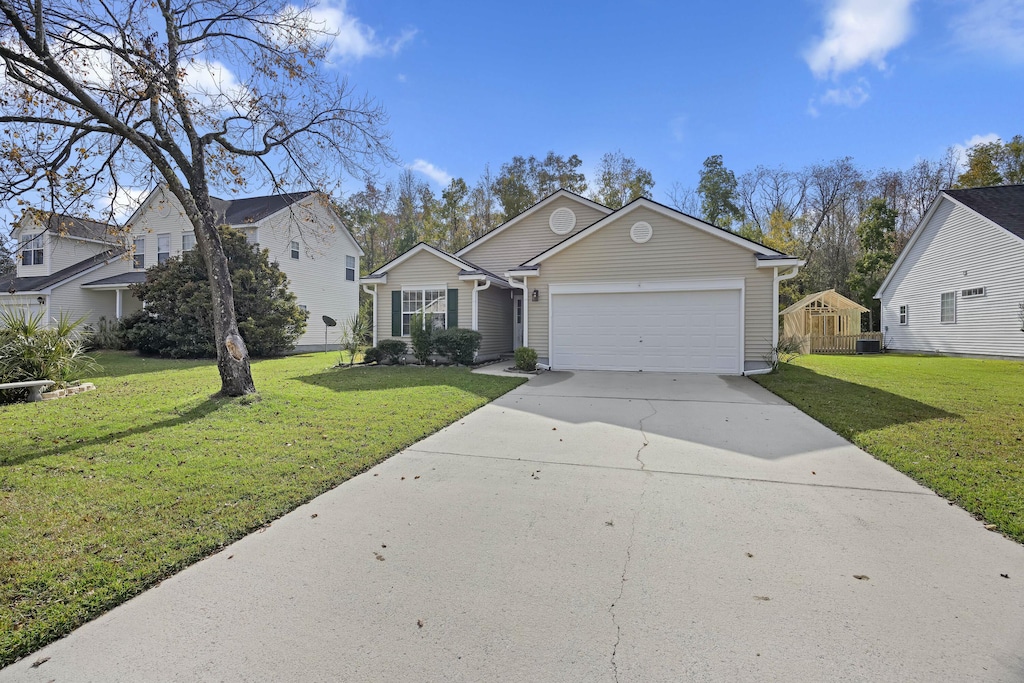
197	95
877	235
555	173
982	166
781	235
1011	161
454	216
369	213
7	256
717	191
683	198
177	321
620	180
513	187
483	211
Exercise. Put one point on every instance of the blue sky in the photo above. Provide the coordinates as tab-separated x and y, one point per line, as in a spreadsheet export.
884	81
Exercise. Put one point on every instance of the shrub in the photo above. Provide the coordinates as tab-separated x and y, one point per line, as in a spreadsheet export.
108	334
29	351
526	359
393	349
178	322
460	345
373	355
354	334
422	334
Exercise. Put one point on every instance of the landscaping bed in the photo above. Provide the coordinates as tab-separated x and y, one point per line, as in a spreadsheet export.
954	424
105	493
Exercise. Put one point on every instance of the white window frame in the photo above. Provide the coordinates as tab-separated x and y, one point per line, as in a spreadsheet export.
294	247
163	240
188	241
139	253
942	308
350	268
975	292
32	253
904	314
409	309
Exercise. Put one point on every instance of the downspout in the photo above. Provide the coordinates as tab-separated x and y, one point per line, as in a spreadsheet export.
476	307
526	310
373	293
775	318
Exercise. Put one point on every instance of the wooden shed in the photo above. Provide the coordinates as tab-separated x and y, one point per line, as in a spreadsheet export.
825	322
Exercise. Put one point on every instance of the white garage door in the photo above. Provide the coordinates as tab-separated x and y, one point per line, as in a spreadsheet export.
695	331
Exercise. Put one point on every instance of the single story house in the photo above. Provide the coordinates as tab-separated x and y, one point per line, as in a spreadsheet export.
644	287
958	285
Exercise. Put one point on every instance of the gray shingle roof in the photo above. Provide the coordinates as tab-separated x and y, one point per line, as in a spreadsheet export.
252	209
1003	205
12	284
133	278
61	224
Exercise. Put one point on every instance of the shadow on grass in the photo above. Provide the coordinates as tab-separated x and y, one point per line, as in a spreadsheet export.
846	407
47	449
384	378
113	364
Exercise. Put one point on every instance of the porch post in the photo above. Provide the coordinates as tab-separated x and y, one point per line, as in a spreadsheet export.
117	305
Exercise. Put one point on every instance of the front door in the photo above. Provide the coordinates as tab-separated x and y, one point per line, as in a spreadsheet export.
517	321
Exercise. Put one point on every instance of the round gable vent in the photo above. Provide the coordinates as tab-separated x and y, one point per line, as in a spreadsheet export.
562	221
641	232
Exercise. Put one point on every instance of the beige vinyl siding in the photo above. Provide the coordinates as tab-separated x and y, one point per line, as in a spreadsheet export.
65	251
494	320
92	304
957	250
317	277
24	235
676	251
529	237
162	214
422	269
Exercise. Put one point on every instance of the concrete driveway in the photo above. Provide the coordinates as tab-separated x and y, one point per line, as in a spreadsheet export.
591	527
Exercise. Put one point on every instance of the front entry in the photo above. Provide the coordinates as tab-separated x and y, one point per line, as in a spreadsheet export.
517	321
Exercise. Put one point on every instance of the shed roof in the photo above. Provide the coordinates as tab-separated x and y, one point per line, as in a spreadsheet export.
830	297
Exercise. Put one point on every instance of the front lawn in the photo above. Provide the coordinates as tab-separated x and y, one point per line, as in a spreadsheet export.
954	424
106	493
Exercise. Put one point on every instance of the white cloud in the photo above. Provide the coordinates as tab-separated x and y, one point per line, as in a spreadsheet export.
960	148
433	172
401	78
851	96
351	38
213	85
123	201
678	127
994	27
858	32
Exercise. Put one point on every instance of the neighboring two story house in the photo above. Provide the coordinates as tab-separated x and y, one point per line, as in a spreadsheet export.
86	268
643	287
958	285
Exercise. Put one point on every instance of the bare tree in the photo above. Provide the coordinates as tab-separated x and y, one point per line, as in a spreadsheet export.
683	198
197	94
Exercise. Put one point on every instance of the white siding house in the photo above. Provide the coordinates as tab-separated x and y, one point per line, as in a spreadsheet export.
958	285
85	269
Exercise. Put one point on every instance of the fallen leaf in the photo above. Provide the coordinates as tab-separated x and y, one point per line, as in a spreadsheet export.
813	472
39	662
419	622
750	554
230	556
1005	576
554	429
861	577
990	527
416	477
379	557
383	545
762	597
609	523
313	516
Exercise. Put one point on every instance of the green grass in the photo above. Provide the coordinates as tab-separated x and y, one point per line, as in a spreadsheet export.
106	493
954	424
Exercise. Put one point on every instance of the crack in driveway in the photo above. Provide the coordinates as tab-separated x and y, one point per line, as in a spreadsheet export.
622	582
643	465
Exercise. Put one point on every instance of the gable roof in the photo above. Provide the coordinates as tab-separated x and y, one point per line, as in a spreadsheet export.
533	209
833	298
461	264
643	202
253	209
1002	205
70	226
11	284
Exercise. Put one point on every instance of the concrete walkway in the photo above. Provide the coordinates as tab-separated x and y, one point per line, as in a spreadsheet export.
591	527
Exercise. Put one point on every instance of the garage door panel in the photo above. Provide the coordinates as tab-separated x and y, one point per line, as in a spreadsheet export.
681	331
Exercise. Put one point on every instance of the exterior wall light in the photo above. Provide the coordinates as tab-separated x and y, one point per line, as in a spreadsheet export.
535	295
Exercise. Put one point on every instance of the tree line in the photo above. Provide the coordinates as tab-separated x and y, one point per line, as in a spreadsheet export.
849	223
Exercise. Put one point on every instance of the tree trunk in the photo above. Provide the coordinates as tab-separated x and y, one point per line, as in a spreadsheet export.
232	356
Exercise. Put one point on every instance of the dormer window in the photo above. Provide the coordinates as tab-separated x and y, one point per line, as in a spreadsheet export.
295	250
32	252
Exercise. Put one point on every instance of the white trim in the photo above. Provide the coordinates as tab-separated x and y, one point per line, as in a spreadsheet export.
373	293
643	286
735	284
941	296
533	209
526	313
378	280
423	246
903	314
420	288
980	295
780	263
776	279
659	209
